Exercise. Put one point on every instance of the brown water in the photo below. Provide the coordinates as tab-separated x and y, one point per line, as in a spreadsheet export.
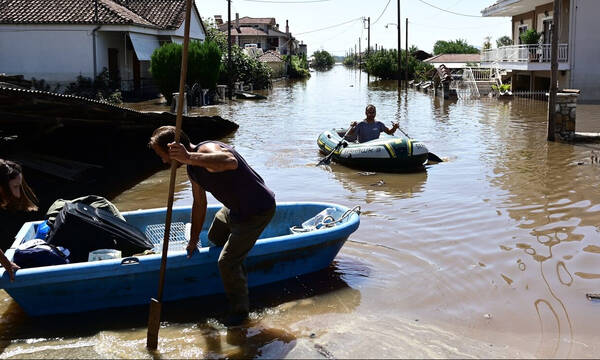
490	254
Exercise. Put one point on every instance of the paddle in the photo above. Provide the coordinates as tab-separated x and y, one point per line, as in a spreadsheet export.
327	159
430	156
155	304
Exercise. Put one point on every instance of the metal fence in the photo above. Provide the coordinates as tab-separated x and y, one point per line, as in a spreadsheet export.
530	95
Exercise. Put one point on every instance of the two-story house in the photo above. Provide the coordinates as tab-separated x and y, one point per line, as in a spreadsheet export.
263	33
578	45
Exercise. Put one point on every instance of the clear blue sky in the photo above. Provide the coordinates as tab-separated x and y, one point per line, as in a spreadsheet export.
426	24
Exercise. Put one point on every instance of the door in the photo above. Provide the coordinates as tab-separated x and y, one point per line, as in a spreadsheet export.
136	73
113	67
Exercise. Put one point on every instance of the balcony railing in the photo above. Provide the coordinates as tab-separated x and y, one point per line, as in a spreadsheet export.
525	53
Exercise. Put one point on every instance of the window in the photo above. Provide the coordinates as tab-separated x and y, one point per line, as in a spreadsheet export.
522	29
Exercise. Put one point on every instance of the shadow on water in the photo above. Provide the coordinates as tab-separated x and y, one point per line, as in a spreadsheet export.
251	340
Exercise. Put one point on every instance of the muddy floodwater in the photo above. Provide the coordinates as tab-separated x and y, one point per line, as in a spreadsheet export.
490	254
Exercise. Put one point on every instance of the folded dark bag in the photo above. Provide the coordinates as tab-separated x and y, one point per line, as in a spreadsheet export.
82	228
39	255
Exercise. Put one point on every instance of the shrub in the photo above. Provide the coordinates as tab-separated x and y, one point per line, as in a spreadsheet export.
530	37
504	41
323	60
246	69
458	46
297	67
165	66
101	88
204	64
384	64
350	60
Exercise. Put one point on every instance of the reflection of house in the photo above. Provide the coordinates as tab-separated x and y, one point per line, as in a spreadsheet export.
578	49
61	39
262	32
275	62
455	61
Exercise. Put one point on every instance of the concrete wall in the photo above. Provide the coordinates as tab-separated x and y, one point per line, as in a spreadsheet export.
54	53
115	40
585	60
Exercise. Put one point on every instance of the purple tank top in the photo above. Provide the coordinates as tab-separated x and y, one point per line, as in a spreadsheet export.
242	190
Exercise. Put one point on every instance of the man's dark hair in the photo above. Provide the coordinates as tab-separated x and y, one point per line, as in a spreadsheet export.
165	135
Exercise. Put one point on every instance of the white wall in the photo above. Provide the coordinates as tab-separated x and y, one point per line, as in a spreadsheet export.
115	40
53	53
196	29
585	60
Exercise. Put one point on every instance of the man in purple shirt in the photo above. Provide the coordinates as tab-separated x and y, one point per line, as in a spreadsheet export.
248	207
369	129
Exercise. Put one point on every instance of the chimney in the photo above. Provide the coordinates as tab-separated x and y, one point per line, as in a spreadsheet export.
277	26
218	20
237	21
287	27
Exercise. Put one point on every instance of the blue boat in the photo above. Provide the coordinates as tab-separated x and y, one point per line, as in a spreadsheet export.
280	253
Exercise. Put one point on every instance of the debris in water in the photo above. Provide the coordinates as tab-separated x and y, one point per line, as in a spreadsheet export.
366	173
487	316
379	183
593	297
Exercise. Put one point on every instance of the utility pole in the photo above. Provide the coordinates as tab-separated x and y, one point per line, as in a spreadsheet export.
553	70
406	44
359	54
229	66
368	36
399	49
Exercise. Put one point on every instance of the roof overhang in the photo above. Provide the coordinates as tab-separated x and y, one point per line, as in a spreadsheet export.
512	7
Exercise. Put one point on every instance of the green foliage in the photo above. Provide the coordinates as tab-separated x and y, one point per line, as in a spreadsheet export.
487	43
384	64
297	67
351	60
215	35
530	37
458	46
246	69
502	88
165	66
204	64
423	71
323	60
101	88
504	41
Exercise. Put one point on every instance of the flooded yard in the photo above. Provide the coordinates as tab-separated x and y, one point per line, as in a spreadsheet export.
490	254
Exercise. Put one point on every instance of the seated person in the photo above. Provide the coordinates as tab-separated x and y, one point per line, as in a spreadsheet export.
369	129
16	198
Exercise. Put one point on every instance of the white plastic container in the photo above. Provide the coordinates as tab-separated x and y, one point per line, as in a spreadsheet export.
104	254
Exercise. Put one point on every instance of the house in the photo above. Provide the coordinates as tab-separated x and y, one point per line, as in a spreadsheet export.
421	55
454	61
61	39
578	45
275	62
262	32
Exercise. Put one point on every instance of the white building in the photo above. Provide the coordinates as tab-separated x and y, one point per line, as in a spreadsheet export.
578	51
61	39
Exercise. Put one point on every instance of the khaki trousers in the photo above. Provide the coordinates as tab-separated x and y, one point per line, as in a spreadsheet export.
237	239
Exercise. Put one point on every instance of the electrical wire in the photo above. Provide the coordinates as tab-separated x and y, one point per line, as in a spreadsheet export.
287	2
380	15
329	27
448	11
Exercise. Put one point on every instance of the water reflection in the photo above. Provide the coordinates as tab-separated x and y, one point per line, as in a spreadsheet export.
190	328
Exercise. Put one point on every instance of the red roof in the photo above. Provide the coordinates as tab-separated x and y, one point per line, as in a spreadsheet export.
270	57
163	14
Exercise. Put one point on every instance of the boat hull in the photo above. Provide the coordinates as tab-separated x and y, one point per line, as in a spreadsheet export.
133	281
386	154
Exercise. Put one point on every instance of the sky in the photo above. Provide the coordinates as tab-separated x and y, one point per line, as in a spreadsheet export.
426	23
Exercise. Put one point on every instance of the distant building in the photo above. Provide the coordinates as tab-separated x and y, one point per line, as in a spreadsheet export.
421	55
578	45
455	61
61	39
275	62
263	32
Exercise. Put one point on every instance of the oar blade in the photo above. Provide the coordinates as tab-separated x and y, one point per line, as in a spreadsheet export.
431	157
153	324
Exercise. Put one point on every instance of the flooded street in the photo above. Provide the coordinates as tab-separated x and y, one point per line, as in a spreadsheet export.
489	254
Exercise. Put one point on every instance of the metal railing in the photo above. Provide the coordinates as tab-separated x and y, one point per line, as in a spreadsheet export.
525	53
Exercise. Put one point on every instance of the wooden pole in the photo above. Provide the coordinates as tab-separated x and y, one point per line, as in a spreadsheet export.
359	54
155	304
553	70
399	49
229	63
406	44
368	36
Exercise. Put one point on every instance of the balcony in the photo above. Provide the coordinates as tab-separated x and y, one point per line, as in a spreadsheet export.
526	57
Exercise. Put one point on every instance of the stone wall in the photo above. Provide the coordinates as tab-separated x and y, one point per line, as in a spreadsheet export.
565	113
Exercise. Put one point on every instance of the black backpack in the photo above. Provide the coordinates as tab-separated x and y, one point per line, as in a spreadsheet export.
82	228
35	253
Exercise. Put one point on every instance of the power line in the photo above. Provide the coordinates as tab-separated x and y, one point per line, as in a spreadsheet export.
288	2
448	11
329	27
380	15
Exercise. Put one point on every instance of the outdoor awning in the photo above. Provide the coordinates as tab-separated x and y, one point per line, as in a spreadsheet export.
144	45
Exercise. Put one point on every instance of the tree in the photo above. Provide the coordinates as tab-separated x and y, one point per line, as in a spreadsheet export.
458	46
323	60
504	41
487	43
530	37
214	34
